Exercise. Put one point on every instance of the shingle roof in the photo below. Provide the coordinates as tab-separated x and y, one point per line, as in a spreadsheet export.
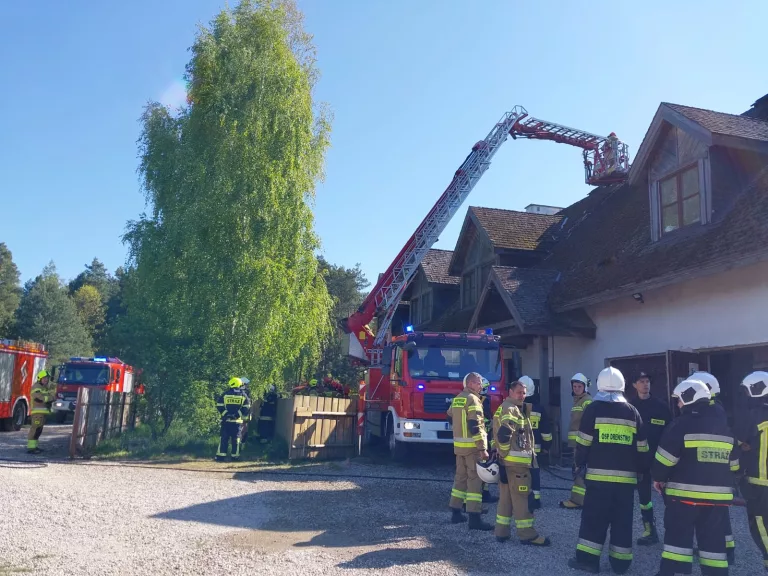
725	124
435	265
516	230
451	320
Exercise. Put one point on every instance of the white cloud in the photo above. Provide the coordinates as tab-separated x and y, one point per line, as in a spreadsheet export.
174	95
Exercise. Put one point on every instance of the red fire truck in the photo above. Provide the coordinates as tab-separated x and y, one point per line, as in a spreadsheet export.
411	378
112	374
20	361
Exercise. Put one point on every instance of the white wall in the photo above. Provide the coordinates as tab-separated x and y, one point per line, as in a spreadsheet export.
730	309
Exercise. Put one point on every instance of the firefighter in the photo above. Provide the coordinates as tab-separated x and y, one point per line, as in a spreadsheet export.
751	433
515	443
656	417
542	434
42	393
714	389
693	467
612	447
487	496
470	445
581	399
247	419
234	406
267	415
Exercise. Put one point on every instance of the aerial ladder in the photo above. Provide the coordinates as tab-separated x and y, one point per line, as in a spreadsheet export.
606	161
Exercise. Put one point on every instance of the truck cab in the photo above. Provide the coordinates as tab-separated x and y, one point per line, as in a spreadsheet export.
111	374
422	373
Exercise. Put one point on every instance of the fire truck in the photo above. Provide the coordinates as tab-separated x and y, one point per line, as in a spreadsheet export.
111	374
20	361
411	378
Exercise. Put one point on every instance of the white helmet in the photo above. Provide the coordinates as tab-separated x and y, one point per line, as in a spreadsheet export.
244	380
579	377
466	378
708	379
610	380
530	387
756	384
690	391
485	386
488	472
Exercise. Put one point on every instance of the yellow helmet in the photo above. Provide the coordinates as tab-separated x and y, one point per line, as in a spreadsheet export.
235	382
42	374
313	383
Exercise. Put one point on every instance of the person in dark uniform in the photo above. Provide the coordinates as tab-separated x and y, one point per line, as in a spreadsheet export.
694	467
233	406
656	417
542	434
612	446
267	416
487	496
752	434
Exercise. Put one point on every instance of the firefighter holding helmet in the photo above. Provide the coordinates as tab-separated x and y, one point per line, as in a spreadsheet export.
515	444
470	445
234	407
43	393
581	399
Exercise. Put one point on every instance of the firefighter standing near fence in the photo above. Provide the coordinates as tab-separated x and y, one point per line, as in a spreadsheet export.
267	414
43	392
515	444
234	406
612	449
470	445
752	433
694	467
542	434
581	399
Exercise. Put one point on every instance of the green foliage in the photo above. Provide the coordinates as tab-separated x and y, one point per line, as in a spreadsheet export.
96	275
90	309
48	315
198	409
10	291
224	279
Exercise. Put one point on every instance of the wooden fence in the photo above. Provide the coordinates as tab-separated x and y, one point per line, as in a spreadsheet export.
99	415
317	428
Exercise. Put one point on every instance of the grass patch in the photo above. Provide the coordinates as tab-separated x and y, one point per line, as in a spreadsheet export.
178	444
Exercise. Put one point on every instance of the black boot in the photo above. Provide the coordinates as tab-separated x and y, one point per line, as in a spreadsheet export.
650	536
457	517
476	522
576	565
489	498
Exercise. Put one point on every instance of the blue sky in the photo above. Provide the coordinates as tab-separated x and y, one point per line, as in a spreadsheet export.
413	85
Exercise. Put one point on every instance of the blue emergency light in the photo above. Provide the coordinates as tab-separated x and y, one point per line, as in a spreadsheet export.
419	386
489	331
99	359
409	328
493	388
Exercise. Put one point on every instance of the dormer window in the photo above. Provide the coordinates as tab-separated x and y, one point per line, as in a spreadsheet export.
680	199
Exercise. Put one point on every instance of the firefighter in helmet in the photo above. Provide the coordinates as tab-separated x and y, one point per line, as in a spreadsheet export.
234	406
542	434
470	445
42	393
694	466
581	399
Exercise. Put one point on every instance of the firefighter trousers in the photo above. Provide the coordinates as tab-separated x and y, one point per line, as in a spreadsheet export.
230	432
644	495
730	543
607	505
514	488
757	514
467	486
681	523
578	491
266	427
38	422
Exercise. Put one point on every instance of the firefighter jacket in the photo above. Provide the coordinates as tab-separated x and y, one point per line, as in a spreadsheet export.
752	430
579	403
468	423
719	407
514	435
611	442
697	456
542	432
656	417
42	397
234	405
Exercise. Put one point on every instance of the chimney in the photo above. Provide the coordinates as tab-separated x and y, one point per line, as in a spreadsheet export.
759	109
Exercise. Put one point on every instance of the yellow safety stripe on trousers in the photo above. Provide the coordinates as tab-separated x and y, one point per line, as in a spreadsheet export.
524	523
616	476
474	497
580	490
503	520
573	436
665	457
677	554
458	494
620	553
763	468
714	559
648	506
730	542
589	547
699	492
537	448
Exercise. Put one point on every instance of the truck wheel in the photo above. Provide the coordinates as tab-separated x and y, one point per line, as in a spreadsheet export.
398	451
19	415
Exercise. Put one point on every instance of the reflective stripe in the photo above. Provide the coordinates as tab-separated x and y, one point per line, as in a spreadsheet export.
455	440
713	555
474	408
503	520
642	446
519	457
458	494
757	481
524	523
707	438
474	497
572	435
577	409
589	547
620	553
463	444
615	421
714	559
648	506
583	439
579	490
735	466
720	493
763	466
546	437
665	457
602	472
514	419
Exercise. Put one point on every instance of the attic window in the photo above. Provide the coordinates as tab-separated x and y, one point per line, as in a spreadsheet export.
680	199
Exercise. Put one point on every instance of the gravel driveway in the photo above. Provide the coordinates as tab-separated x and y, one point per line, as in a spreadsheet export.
95	519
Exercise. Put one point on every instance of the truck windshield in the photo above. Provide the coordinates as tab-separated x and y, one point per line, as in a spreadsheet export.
84	374
454	363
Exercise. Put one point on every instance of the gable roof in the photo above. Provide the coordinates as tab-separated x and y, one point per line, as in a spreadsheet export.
725	124
435	266
513	230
